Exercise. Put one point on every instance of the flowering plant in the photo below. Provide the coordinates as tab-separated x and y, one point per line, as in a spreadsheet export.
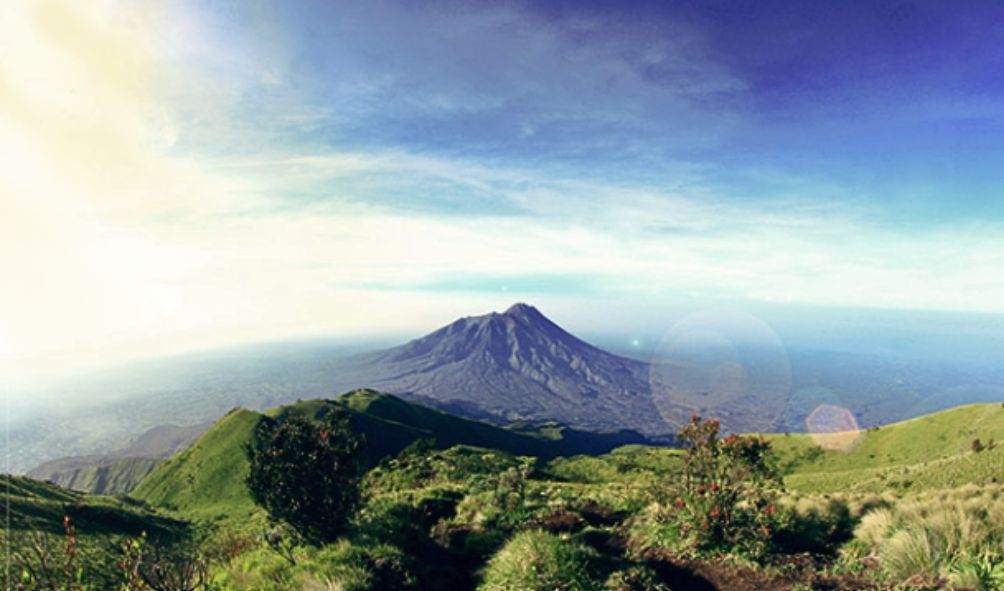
728	498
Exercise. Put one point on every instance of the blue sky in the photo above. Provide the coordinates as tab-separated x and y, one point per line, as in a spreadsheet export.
217	172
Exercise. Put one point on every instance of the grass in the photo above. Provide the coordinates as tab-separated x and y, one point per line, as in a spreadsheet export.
541	561
930	534
916	502
930	452
41	506
206	481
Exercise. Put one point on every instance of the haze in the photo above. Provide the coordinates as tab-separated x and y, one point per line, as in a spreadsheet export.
210	173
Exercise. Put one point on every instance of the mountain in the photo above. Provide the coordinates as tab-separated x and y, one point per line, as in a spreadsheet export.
513	366
101	475
207	478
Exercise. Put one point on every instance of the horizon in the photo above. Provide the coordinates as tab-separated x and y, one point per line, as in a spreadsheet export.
209	175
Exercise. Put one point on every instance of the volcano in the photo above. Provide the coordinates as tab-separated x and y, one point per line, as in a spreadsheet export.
514	366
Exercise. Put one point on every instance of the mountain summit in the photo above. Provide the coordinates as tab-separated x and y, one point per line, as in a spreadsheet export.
514	366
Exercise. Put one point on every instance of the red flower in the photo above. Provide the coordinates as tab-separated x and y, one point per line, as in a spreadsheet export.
714	487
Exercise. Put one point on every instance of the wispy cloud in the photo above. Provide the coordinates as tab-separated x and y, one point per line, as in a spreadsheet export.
266	172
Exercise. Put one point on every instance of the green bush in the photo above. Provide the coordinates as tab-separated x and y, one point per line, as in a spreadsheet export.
405	519
306	473
980	573
539	561
727	500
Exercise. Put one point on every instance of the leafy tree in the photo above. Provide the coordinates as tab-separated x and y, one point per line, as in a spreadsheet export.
306	473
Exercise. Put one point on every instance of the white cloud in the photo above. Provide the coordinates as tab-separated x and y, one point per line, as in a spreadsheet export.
116	244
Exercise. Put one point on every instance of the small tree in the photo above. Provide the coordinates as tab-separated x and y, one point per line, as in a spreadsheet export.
728	498
306	473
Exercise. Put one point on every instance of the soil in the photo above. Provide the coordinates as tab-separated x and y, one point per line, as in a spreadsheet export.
788	572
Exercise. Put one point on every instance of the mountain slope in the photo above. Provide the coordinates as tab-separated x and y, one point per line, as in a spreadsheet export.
33	505
207	479
932	451
514	366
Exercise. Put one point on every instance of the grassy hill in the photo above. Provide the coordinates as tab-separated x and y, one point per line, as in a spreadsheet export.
206	480
933	451
41	506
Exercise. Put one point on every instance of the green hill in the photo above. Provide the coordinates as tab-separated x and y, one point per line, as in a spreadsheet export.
206	480
933	451
40	506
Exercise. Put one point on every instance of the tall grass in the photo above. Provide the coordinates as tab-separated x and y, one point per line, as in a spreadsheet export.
937	534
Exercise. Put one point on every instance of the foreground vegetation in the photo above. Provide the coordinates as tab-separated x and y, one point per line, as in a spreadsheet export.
724	513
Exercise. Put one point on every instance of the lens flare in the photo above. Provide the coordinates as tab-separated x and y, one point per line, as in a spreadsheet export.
725	364
833	427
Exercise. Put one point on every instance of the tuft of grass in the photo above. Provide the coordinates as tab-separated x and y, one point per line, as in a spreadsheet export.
928	535
540	561
344	565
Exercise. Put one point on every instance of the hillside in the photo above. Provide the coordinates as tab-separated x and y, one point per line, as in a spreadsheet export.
96	474
207	478
40	506
933	451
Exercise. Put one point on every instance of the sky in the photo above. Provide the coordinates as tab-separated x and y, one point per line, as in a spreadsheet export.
196	174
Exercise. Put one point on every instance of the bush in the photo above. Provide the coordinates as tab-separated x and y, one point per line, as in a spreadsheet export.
539	561
728	502
306	473
980	573
405	519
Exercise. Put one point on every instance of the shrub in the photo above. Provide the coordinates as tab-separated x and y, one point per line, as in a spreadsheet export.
728	498
306	473
539	561
980	573
405	519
